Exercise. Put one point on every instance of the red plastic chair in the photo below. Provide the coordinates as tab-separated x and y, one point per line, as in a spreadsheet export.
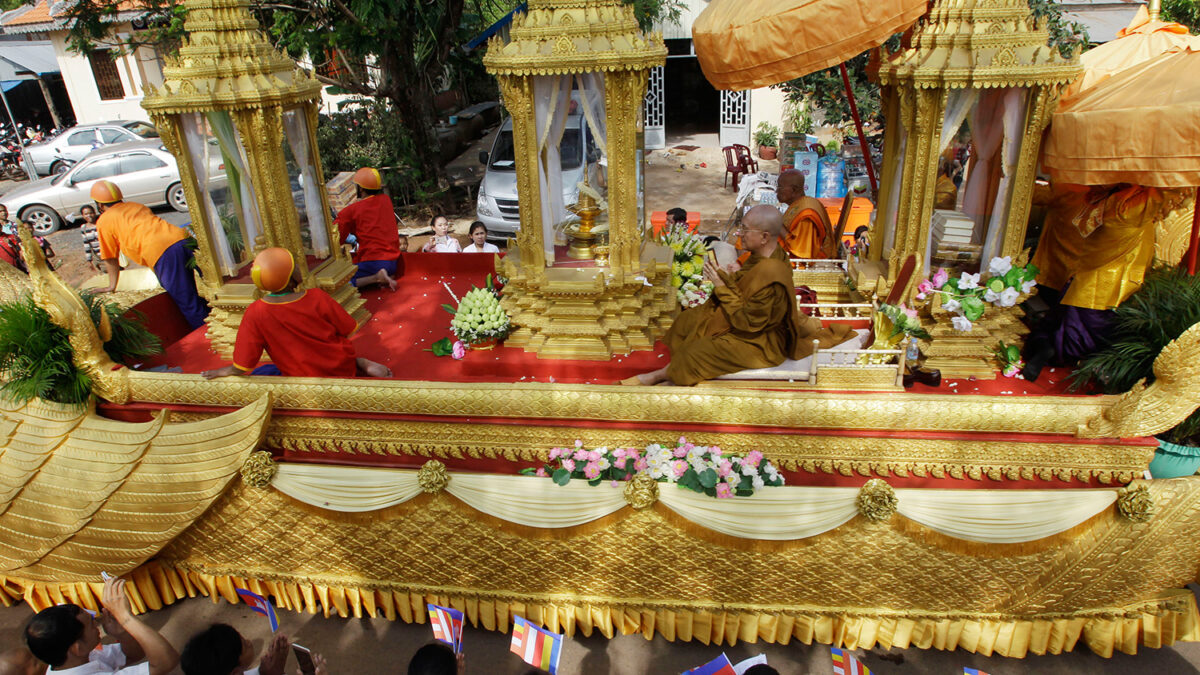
733	165
749	164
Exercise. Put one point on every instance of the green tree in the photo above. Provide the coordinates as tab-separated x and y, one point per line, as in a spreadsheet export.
1186	12
402	52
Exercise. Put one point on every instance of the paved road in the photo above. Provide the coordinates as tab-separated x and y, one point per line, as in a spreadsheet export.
380	646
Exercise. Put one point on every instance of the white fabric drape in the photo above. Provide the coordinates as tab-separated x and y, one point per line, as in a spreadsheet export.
296	130
987	135
893	203
775	514
771	514
350	489
1013	115
1001	516
196	136
535	502
958	103
237	171
551	103
591	87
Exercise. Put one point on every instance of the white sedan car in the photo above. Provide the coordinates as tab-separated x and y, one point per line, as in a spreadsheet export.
144	170
57	154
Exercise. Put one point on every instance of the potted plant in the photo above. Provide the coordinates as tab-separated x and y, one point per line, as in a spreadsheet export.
766	135
1167	304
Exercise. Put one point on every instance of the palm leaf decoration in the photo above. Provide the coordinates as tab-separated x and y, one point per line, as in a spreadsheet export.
1167	304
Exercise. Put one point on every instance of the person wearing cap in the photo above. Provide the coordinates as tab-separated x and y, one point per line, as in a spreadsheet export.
372	221
305	332
130	228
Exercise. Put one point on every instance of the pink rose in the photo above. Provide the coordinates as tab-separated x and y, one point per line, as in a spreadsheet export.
681	451
724	491
924	289
569	465
725	468
594	456
459	350
940	277
640	464
592	470
542	472
581	455
619	452
679	467
715	451
620	462
753	458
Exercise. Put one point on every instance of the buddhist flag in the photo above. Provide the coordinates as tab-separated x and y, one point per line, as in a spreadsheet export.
537	647
261	605
973	671
718	666
447	625
844	663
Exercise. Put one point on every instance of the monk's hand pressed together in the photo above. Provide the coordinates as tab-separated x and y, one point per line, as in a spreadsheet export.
712	273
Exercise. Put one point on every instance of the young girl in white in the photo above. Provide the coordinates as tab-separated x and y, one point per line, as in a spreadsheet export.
479	243
442	241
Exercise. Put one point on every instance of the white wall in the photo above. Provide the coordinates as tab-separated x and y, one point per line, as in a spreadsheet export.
81	85
766	105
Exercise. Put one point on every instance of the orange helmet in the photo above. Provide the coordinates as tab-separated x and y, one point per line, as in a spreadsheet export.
368	178
272	269
106	192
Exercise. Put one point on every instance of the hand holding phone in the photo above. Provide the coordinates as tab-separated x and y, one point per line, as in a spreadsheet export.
304	657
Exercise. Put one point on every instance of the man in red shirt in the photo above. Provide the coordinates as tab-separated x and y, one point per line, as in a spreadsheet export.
372	222
305	332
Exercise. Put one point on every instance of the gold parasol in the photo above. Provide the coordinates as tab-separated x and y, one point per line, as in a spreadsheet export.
1142	40
743	44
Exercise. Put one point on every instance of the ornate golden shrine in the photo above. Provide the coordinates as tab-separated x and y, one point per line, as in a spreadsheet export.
582	312
231	98
988	58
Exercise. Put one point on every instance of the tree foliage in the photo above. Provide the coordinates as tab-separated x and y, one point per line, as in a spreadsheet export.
1186	12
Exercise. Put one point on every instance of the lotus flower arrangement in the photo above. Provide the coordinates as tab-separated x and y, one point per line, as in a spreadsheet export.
967	296
479	317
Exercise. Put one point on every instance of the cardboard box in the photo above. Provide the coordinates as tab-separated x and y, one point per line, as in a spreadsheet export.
341	190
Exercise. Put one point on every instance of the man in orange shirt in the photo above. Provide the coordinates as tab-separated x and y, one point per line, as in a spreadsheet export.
372	222
809	234
147	240
305	332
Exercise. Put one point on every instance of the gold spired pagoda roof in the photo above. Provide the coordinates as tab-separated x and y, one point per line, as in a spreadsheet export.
81	494
574	36
226	63
979	43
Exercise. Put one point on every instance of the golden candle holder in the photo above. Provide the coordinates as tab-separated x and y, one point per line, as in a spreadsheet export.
581	236
600	248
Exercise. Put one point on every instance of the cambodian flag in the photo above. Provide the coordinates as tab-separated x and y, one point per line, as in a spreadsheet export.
447	625
973	671
261	605
538	647
718	666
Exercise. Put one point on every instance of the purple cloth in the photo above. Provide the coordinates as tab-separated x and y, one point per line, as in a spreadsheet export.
175	274
1081	332
369	268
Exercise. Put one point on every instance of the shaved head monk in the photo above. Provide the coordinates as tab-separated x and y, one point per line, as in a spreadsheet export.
749	321
809	232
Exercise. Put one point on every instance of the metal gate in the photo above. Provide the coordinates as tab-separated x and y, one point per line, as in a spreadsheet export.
652	111
735	118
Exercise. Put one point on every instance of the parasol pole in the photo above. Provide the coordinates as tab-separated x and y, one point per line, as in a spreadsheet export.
862	140
1191	252
1154	8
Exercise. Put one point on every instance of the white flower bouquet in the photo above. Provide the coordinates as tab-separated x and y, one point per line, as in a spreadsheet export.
687	266
966	297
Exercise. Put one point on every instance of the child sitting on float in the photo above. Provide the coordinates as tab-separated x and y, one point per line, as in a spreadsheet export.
479	242
305	332
442	241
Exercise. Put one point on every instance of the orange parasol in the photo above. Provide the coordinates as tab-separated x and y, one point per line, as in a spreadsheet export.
1143	40
1140	126
743	44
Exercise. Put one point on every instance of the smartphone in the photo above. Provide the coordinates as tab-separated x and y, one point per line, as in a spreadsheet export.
305	659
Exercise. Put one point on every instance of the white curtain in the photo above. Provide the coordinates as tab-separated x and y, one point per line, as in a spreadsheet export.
772	513
552	102
535	502
893	204
1001	516
349	489
196	135
296	130
1013	105
958	103
238	173
776	514
996	122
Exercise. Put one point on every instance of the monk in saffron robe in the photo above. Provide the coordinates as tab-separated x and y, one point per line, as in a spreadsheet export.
945	192
749	321
1095	248
809	234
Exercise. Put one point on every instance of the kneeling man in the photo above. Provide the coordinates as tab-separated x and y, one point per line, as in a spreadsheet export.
749	321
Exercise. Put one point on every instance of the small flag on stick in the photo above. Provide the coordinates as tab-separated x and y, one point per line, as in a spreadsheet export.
973	671
261	605
447	625
718	666
844	663
538	647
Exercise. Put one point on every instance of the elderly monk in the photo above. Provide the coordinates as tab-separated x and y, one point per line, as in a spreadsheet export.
749	321
809	233
1095	248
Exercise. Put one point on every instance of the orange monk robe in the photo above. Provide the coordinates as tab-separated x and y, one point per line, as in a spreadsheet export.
1103	248
751	322
945	193
809	232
